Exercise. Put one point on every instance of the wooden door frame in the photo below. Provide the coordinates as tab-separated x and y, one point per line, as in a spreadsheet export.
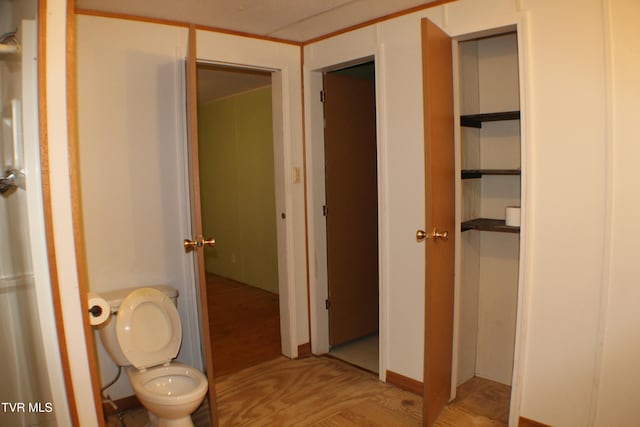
318	283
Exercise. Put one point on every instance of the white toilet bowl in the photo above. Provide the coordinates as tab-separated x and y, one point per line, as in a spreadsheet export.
145	337
171	392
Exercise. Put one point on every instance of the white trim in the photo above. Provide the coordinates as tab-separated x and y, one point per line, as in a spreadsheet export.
457	281
35	214
608	224
521	320
284	204
61	212
522	311
317	236
383	215
284	61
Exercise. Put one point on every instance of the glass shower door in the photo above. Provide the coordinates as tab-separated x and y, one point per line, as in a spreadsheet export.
32	391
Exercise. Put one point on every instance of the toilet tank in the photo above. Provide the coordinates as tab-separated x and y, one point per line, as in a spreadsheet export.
107	330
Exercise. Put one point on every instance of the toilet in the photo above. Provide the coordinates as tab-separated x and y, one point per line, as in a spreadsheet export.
144	334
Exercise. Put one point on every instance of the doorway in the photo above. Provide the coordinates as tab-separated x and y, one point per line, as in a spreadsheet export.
470	327
237	194
351	215
489	199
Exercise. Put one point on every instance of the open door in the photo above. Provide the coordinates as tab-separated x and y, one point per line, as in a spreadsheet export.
351	207
440	218
196	243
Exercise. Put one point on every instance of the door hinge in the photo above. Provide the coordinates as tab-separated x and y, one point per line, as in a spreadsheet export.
327	304
323	95
325	211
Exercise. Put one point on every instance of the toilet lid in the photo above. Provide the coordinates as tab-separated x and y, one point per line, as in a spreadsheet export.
148	328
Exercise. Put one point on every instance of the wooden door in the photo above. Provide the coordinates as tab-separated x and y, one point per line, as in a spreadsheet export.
196	220
440	204
352	206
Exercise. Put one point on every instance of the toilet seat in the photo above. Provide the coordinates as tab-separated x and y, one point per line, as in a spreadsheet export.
148	328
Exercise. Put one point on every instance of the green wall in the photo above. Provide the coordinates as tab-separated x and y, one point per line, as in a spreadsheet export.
237	188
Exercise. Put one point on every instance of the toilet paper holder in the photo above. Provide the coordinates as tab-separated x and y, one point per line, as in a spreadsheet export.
96	311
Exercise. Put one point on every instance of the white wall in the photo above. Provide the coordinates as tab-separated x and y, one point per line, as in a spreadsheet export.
618	398
132	154
132	164
566	100
562	49
563	57
489	261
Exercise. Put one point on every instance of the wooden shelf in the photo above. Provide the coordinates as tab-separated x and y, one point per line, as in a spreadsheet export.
477	173
476	120
488	224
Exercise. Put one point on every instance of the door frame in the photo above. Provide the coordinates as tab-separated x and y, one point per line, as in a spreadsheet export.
519	25
330	81
250	53
317	233
280	187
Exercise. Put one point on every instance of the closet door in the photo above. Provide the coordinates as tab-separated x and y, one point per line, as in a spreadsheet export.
440	220
352	202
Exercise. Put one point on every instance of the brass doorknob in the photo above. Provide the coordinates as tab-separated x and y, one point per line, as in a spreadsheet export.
191	245
444	235
421	235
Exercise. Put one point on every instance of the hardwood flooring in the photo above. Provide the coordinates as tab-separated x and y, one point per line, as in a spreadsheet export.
245	325
480	403
325	392
315	391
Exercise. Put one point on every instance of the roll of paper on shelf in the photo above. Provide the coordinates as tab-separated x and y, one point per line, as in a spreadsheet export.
512	216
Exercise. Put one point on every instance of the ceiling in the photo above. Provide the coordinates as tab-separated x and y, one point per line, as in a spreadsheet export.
296	20
215	82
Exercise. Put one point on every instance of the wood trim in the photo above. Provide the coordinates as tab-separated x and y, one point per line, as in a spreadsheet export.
405	383
526	422
80	11
304	350
76	205
196	216
248	35
47	208
88	12
183	24
378	20
124	404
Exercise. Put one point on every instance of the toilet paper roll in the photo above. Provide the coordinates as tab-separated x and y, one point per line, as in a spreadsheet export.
99	309
512	216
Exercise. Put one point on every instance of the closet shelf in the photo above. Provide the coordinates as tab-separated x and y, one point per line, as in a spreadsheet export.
477	173
476	120
488	224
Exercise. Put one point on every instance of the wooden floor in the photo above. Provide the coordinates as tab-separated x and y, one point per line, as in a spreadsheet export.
256	386
315	391
245	325
324	392
480	403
